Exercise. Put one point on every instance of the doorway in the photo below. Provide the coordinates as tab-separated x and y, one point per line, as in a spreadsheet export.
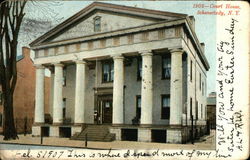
104	109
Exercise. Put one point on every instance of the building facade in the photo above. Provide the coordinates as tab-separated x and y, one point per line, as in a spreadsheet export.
24	94
141	72
211	110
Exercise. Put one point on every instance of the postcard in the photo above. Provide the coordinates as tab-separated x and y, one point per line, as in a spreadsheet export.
124	80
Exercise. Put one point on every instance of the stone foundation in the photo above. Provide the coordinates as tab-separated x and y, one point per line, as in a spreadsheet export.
117	132
54	131
174	136
75	129
36	130
144	135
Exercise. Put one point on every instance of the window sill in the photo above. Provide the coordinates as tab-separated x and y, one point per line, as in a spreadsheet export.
162	78
164	119
107	82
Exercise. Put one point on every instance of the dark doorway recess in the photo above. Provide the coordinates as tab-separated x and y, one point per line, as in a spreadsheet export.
45	131
65	132
129	134
158	135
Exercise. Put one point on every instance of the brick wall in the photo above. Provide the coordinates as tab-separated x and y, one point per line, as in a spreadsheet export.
24	94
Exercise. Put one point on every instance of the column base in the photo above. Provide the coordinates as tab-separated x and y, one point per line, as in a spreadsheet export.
38	123
144	135
57	124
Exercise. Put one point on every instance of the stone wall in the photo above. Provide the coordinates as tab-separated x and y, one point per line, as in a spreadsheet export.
133	88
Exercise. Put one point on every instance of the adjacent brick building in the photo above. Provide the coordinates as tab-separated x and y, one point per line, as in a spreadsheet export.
24	94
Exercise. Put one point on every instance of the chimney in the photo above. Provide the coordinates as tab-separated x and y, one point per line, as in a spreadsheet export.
203	47
26	52
192	20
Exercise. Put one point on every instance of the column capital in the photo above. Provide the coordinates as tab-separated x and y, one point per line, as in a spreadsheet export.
80	61
58	64
39	66
146	53
117	56
176	50
51	68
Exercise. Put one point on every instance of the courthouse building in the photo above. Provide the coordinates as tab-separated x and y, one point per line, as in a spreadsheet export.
139	74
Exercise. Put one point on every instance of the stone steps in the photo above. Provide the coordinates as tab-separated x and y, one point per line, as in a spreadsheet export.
95	133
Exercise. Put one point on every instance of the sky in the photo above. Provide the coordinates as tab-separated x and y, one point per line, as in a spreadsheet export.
205	25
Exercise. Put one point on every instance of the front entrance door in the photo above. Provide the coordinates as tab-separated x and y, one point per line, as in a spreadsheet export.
105	109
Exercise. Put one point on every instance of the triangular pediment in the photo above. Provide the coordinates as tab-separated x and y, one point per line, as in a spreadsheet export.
112	17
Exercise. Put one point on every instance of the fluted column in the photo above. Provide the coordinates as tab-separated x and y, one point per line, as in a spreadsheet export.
146	88
118	90
58	99
39	103
176	87
80	92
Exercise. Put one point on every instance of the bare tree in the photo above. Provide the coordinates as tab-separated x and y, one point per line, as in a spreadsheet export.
11	17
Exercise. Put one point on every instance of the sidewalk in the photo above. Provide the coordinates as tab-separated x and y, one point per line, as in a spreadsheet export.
207	143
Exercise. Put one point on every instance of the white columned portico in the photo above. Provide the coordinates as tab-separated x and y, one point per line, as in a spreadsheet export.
58	99
176	87
146	88
80	92
39	103
118	87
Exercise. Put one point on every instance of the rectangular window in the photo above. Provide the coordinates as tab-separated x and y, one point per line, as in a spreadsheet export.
165	106
107	104
201	111
191	107
139	68
97	24
138	106
205	112
108	71
64	108
196	110
203	88
166	67
200	81
64	76
191	70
